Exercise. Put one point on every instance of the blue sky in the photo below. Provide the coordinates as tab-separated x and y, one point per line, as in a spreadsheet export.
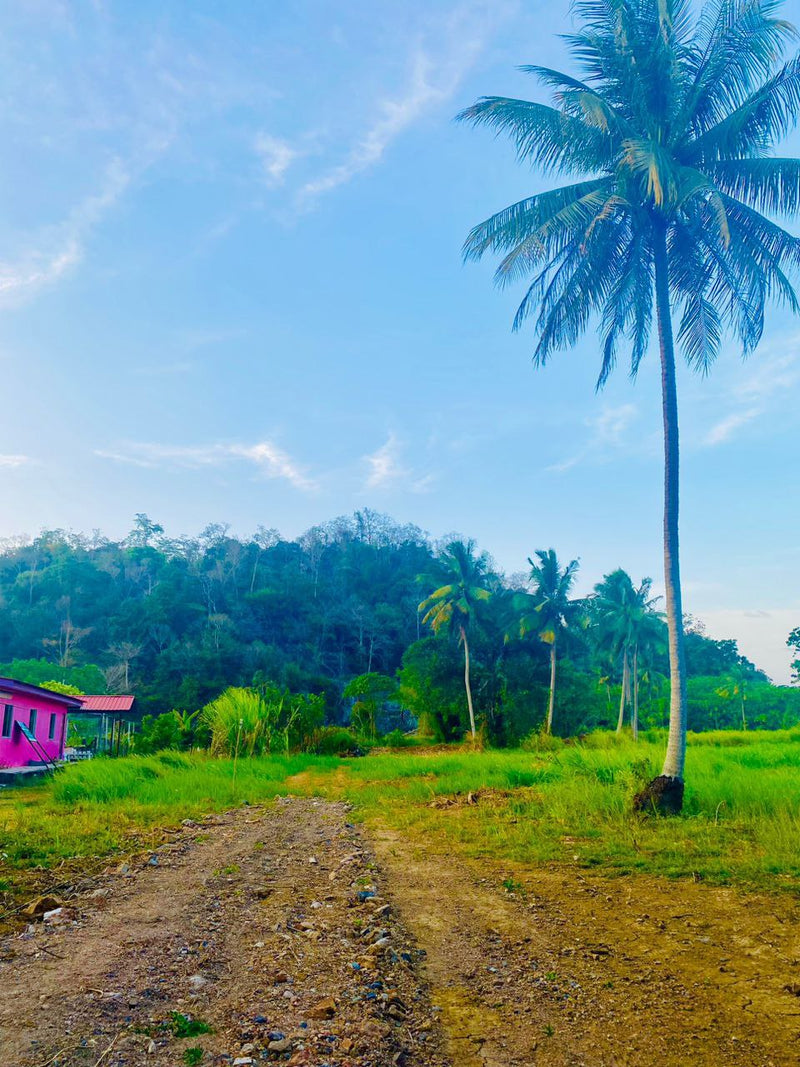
231	291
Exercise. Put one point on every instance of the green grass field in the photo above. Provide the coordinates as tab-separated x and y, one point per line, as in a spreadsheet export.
565	804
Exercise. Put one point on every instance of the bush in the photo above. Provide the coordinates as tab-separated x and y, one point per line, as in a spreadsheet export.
397	739
335	741
254	722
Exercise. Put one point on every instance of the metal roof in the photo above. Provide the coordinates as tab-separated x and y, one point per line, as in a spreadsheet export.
114	704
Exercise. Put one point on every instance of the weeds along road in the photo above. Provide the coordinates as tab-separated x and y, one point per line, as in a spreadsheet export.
285	935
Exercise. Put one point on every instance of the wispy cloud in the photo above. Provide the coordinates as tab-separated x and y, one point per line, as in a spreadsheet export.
275	155
436	69
271	461
386	470
750	394
608	433
9	461
56	250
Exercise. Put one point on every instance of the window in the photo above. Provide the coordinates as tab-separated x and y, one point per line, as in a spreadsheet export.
8	720
51	733
32	721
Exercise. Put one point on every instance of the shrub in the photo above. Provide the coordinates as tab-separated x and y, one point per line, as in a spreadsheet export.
254	722
397	739
335	741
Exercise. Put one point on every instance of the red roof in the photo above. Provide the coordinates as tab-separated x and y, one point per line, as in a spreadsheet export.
115	704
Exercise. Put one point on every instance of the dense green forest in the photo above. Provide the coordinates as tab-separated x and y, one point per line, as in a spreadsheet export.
178	621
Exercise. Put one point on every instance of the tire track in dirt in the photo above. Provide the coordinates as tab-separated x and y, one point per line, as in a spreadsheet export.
570	971
267	925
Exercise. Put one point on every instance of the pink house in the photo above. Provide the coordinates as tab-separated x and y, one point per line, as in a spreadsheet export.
33	724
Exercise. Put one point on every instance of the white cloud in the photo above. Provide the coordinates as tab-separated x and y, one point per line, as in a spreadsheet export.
270	460
752	390
58	249
436	71
9	461
726	428
608	432
386	470
384	466
276	157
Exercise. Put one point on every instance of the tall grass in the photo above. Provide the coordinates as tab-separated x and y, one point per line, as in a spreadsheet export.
567	803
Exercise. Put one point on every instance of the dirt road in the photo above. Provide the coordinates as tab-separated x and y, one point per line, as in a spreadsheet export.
287	935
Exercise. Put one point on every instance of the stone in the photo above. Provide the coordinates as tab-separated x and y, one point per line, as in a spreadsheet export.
284	1045
242	1061
324	1009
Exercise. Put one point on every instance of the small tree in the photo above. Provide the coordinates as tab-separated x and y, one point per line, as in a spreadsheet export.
370	693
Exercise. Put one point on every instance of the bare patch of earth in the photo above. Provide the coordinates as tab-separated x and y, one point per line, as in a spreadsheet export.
297	938
260	936
574	971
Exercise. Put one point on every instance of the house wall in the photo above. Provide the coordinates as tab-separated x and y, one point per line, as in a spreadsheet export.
16	750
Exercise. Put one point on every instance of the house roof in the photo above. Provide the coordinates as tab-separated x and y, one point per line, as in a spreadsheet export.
36	692
115	704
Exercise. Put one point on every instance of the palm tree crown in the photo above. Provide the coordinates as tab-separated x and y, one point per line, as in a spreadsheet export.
553	608
671	129
453	604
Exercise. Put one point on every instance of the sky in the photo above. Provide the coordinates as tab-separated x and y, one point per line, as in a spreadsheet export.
231	290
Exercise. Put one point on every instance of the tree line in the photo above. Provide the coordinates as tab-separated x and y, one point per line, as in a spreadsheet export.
372	617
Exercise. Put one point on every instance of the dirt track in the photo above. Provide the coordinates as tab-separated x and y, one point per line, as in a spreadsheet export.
261	924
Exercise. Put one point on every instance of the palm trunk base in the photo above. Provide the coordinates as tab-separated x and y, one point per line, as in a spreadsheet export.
662	796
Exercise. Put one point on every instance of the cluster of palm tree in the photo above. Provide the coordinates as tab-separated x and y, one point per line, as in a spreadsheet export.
668	136
624	616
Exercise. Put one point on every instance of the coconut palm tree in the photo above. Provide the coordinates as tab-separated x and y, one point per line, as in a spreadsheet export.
628	624
735	685
453	605
669	131
614	608
549	610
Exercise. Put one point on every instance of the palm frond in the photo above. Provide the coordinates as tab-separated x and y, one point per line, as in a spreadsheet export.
544	135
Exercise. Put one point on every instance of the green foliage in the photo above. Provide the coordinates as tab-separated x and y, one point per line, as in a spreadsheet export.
175	729
193	1056
560	802
73	680
183	1026
431	686
332	613
397	739
334	741
370	694
62	687
253	722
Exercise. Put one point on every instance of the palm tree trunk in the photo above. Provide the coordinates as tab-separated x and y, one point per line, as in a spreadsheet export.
635	716
676	745
744	715
467	685
552	701
624	693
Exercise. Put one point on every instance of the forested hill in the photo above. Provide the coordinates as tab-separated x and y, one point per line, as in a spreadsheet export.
177	621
